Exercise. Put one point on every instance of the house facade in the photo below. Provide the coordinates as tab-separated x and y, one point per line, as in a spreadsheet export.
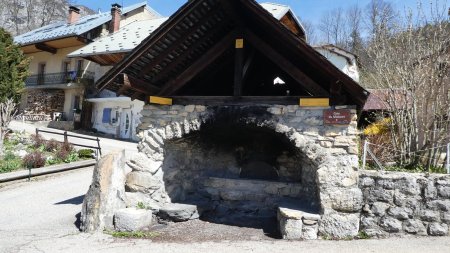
58	85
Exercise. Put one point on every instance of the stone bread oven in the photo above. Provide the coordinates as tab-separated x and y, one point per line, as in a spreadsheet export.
234	133
243	163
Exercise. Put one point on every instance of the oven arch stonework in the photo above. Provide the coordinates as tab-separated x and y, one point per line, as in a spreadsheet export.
332	150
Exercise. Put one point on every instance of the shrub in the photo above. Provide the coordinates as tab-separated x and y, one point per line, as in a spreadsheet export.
10	165
379	127
34	160
67	147
52	145
72	157
37	140
85	153
62	154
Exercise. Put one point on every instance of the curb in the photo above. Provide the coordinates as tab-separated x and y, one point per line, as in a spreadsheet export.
24	174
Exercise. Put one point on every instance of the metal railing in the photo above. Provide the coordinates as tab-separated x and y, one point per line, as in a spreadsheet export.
59	78
66	140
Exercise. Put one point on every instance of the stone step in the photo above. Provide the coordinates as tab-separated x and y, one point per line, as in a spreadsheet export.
297	222
178	212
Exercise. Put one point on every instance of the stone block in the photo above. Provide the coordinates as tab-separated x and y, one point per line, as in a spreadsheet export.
140	162
347	200
380	194
106	193
446	218
366	182
399	213
429	215
442	205
391	225
408	186
379	208
132	219
309	232
339	225
415	227
132	199
437	229
430	191
444	191
142	182
189	108
178	212
369	222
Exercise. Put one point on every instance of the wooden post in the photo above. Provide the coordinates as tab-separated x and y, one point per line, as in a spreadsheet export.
99	148
37	132
238	67
66	140
364	155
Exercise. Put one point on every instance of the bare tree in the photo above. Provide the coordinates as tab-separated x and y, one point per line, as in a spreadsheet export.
412	62
7	112
381	18
333	27
310	31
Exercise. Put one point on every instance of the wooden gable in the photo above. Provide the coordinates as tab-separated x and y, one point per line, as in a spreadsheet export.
229	49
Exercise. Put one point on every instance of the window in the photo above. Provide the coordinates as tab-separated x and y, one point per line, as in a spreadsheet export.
41	73
80	64
76	104
66	70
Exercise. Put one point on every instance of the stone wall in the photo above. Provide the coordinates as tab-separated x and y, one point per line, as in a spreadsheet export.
328	153
405	203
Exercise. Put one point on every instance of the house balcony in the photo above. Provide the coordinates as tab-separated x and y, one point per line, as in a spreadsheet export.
59	80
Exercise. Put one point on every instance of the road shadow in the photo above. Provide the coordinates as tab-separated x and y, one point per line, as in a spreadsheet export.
73	201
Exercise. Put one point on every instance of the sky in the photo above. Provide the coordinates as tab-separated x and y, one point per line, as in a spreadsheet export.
310	10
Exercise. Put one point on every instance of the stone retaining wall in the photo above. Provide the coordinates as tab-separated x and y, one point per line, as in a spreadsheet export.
405	203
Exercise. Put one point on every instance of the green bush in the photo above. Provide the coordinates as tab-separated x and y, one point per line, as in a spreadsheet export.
85	153
72	157
10	163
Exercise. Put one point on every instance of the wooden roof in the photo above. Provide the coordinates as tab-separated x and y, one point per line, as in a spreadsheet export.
194	53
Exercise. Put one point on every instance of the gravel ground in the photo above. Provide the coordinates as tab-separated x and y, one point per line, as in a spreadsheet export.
196	231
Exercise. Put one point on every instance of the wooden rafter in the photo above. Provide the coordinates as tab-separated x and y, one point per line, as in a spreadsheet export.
170	49
209	57
46	48
128	82
309	84
182	57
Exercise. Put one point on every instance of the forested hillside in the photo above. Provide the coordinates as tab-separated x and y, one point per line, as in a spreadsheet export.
20	16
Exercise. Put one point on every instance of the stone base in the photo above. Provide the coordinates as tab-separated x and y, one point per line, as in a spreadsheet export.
295	224
132	219
178	212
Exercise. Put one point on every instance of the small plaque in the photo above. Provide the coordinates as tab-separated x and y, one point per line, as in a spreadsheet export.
239	43
337	117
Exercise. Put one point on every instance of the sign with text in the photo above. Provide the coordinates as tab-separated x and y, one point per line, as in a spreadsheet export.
337	117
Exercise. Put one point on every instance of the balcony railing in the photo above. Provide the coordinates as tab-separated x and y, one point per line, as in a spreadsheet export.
60	78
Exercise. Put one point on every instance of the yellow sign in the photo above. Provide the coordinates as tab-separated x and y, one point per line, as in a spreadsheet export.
160	100
239	43
314	102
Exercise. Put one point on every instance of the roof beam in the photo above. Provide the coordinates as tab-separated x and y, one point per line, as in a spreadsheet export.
194	69
310	85
187	32
130	83
180	58
46	48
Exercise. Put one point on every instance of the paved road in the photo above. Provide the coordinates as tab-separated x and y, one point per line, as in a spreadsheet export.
107	145
44	208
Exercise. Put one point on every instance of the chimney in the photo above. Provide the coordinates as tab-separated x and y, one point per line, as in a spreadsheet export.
115	20
74	15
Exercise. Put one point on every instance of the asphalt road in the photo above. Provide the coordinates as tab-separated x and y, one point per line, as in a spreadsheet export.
44	208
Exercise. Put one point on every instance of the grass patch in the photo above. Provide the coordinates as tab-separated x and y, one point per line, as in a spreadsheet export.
363	235
137	235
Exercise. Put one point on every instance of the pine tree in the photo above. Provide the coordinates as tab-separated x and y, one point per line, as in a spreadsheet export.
13	68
